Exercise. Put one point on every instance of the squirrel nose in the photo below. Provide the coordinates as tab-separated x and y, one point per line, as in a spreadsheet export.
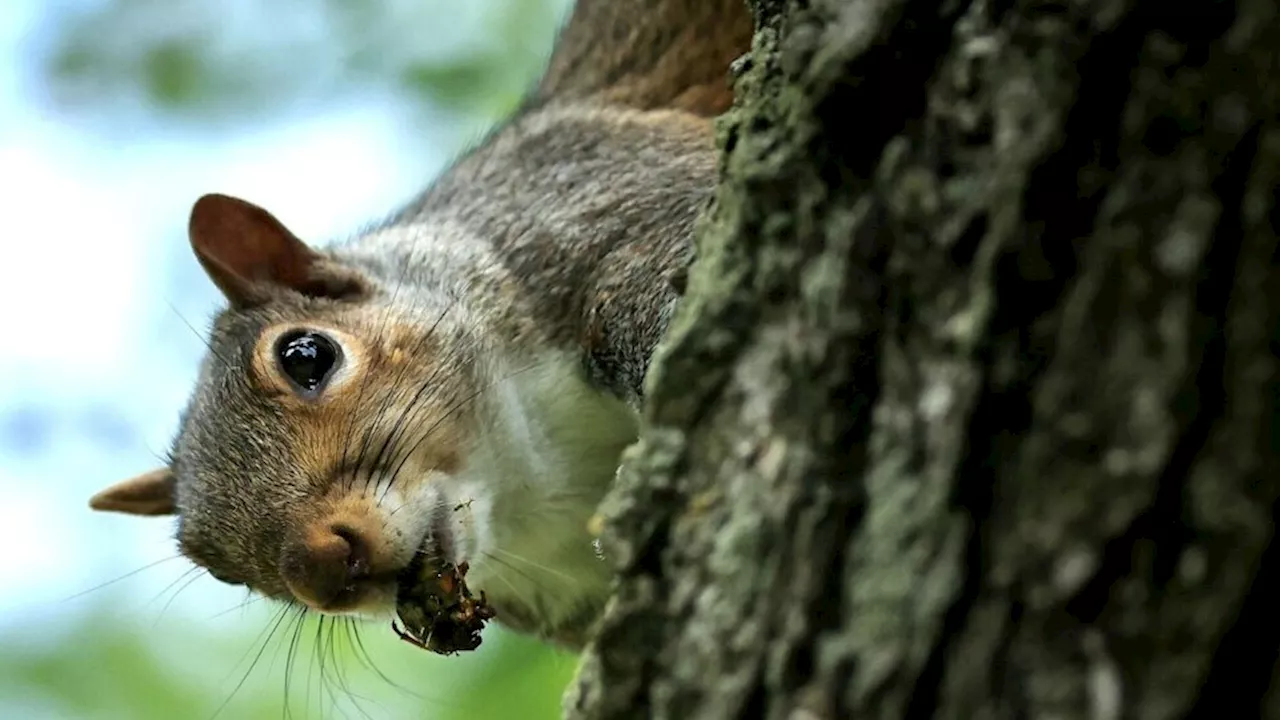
324	569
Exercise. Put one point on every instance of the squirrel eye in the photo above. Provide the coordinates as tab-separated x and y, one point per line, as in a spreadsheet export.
307	358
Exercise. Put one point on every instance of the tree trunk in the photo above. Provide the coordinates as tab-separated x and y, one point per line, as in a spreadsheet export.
971	409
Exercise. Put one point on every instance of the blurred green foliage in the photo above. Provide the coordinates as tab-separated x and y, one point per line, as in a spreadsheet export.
114	664
241	61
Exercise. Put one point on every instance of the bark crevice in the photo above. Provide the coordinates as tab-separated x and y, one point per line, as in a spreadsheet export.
971	410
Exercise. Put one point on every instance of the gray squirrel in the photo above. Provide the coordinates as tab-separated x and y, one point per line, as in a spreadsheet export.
461	379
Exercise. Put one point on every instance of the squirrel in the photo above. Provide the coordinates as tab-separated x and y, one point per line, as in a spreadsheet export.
460	379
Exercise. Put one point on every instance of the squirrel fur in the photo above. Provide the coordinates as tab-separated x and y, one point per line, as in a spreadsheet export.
489	344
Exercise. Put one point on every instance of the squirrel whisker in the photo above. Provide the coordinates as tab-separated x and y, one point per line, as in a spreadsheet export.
537	566
402	425
538	584
378	338
269	631
117	579
199	335
190	577
295	637
253	598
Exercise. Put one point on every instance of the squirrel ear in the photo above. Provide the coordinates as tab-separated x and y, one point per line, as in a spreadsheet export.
150	493
246	250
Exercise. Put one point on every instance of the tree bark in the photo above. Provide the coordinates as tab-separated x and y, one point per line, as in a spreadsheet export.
971	408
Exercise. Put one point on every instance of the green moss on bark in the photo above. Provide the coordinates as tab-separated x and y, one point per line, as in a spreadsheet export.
971	410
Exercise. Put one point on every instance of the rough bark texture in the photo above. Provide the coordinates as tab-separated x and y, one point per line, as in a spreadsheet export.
971	411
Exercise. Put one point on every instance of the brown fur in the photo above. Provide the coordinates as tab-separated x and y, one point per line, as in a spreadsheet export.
662	54
557	240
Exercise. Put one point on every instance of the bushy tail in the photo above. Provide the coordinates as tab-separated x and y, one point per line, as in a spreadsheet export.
650	53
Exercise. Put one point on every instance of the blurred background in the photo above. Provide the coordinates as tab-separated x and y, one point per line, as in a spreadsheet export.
114	116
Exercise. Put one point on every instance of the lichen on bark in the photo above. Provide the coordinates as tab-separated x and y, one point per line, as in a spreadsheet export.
971	408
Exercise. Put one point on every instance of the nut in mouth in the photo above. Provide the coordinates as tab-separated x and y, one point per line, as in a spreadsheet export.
433	601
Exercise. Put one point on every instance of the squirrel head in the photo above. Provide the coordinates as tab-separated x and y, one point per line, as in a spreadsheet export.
321	409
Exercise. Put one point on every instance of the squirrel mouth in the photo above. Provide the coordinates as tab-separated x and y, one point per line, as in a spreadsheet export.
434	549
439	612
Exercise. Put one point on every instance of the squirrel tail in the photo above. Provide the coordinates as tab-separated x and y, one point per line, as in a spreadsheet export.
650	54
